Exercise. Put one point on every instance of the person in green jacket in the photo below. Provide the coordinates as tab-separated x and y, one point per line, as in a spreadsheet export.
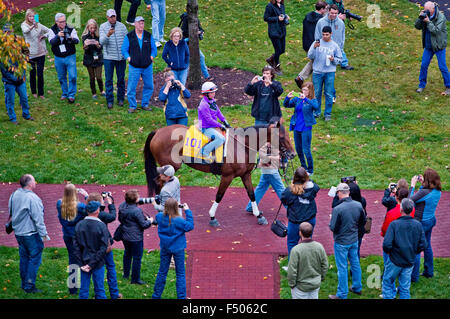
308	265
433	24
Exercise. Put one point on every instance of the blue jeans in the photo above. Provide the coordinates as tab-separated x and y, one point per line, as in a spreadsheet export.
98	277
342	253
265	181
111	275
217	139
293	236
178	120
303	148
133	252
426	59
10	93
428	267
325	81
344	61
203	66
391	273
261	122
67	67
109	76
181	75
158	19
165	257
134	74
30	253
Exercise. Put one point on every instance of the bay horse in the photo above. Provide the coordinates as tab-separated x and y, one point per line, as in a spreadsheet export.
164	146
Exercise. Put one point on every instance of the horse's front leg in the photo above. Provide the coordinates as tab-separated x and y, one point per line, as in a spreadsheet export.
247	180
225	181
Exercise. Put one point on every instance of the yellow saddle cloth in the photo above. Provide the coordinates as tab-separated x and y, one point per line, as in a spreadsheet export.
194	141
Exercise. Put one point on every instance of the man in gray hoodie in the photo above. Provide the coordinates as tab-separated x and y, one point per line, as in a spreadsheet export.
326	55
27	216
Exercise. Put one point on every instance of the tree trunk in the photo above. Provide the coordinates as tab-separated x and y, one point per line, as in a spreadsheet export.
195	75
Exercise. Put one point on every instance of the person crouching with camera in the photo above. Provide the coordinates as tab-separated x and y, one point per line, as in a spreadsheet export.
172	94
63	39
134	223
171	231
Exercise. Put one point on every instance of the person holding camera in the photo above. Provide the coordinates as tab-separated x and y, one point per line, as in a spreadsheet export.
108	217
389	198
134	223
265	91
70	213
433	24
176	55
139	50
93	56
35	34
302	122
170	189
172	95
426	201
299	198
326	55
112	34
63	39
347	219
276	19
172	228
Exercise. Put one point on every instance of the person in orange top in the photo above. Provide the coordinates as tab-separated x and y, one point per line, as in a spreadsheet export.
394	213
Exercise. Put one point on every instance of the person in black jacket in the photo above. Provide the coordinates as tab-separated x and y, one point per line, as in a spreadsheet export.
265	91
299	198
309	28
276	19
93	56
134	223
404	239
91	244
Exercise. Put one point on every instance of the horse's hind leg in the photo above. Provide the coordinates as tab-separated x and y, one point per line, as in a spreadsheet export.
225	181
247	180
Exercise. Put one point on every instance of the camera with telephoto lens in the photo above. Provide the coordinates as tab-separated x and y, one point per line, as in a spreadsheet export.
348	179
424	14
392	187
106	194
348	15
148	200
174	85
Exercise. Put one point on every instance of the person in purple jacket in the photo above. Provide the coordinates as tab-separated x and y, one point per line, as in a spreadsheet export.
208	113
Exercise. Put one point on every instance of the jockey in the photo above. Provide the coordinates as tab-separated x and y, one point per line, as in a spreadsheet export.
208	113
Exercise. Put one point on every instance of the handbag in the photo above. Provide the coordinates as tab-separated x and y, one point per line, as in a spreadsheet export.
368	225
118	233
278	227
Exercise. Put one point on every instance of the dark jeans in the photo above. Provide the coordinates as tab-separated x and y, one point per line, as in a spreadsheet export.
111	275
30	252
37	70
279	45
133	253
72	260
303	148
178	120
293	236
134	5
165	257
428	267
120	67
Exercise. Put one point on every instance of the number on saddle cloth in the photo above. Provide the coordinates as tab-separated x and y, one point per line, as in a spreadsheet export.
194	142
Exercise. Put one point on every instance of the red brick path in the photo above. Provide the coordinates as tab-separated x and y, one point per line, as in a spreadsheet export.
238	260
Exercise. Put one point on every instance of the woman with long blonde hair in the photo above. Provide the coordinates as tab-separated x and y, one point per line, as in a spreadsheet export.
171	231
70	212
299	198
93	56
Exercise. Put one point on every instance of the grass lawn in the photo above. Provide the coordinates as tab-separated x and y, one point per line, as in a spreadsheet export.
52	276
437	287
381	129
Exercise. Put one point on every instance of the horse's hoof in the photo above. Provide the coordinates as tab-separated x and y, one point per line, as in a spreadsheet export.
214	223
262	220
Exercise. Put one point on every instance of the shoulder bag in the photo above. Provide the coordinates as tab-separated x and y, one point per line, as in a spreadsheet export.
278	227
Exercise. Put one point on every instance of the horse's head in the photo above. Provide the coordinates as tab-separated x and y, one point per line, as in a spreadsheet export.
287	151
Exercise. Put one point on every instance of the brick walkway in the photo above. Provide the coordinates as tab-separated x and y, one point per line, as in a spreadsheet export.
238	260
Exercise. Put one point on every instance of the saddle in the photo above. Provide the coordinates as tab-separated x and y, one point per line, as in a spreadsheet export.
194	141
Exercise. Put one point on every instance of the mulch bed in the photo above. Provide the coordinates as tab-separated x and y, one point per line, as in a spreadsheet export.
231	84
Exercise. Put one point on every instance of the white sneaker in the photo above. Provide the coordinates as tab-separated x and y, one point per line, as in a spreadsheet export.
158	44
130	23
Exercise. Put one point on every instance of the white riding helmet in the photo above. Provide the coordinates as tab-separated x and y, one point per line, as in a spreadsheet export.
209	87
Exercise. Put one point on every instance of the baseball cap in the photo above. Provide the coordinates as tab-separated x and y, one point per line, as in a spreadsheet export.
167	170
342	187
139	18
93	206
110	13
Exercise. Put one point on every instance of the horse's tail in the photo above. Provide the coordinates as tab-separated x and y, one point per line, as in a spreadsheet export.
150	165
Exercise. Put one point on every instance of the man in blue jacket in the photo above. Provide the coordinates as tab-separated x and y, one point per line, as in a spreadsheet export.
404	239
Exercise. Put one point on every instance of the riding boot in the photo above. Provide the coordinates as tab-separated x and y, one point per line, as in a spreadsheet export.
277	69
271	60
